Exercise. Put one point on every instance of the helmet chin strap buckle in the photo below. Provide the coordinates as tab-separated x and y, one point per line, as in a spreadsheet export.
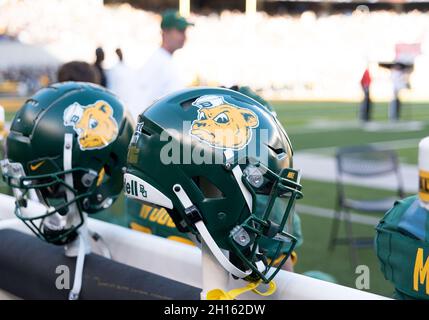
193	214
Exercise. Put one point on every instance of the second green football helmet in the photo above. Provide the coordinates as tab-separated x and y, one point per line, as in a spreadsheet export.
221	165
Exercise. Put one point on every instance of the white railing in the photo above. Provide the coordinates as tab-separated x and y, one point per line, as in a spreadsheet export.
181	262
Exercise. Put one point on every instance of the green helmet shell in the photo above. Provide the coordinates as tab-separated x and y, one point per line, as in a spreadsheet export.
199	139
100	129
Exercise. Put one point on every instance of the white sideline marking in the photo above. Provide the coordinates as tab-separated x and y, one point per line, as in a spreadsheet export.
323	125
323	168
393	126
329	213
382	145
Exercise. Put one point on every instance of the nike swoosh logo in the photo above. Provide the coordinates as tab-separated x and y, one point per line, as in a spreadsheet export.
36	166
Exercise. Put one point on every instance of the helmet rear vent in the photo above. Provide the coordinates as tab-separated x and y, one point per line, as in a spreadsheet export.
186	105
145	132
32	102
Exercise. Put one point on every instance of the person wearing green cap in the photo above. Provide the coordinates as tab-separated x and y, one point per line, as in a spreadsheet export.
159	76
172	20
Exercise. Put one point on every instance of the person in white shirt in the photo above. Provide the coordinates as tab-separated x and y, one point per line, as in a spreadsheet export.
400	74
159	76
120	78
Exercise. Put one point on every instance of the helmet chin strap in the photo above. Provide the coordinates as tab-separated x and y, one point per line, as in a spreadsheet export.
81	246
67	164
205	234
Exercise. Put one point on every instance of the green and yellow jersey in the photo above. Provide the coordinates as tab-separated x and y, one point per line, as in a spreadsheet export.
402	247
157	221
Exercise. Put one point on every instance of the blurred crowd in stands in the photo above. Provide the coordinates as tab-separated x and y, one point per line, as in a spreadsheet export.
25	81
292	57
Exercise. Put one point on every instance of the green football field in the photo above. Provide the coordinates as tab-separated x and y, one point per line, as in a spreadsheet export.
319	128
322	127
325	126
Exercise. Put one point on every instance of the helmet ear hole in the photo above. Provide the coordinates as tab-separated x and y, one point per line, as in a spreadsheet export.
114	159
276	150
111	163
208	188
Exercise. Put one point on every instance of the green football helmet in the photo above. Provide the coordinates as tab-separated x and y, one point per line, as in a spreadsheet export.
221	165
66	150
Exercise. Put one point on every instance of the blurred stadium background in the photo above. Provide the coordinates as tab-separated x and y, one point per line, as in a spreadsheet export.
306	57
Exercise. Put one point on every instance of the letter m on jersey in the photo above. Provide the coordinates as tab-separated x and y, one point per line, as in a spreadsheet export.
421	271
